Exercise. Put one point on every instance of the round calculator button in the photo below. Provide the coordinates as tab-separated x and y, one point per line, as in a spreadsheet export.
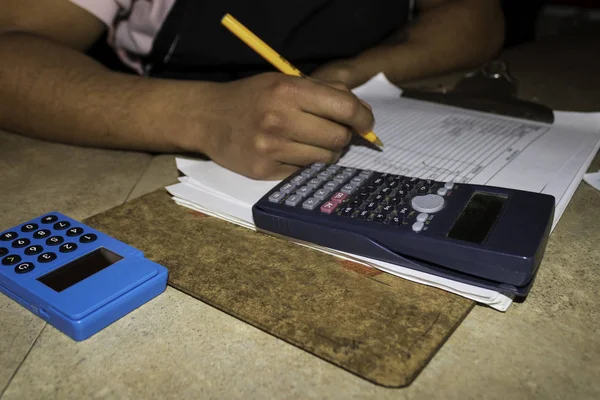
422	217
32	250
430	203
3	251
8	236
442	191
47	257
67	247
24	268
29	227
88	238
48	219
54	240
418	226
20	243
60	225
11	259
74	231
42	233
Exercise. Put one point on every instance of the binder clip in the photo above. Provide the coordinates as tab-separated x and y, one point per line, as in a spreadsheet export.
489	89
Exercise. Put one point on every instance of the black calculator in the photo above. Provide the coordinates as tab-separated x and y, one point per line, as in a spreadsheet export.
485	236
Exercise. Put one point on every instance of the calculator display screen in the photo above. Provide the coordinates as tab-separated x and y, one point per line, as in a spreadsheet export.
478	217
79	269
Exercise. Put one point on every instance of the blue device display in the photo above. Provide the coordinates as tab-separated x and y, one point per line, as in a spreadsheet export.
74	277
485	236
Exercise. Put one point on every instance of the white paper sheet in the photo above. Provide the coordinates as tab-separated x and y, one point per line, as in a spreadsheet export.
428	141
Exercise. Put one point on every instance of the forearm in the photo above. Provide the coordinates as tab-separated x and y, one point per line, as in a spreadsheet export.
51	92
454	35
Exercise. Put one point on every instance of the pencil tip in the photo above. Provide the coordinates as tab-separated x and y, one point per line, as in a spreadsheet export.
378	142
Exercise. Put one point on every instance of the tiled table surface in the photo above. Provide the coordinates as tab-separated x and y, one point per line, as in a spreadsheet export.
178	347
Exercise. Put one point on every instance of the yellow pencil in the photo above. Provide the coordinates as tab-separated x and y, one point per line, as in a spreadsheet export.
256	44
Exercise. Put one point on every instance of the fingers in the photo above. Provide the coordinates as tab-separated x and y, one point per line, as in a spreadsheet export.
338	105
316	131
300	154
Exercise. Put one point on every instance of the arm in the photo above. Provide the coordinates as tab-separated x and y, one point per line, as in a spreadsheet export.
447	35
263	127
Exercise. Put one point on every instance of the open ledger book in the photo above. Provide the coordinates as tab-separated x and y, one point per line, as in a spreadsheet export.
427	141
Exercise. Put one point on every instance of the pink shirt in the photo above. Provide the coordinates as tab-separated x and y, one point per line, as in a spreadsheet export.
133	24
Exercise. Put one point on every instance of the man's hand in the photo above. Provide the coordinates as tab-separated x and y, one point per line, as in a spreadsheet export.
268	125
447	35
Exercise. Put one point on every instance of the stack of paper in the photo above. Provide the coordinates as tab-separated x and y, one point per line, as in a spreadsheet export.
434	142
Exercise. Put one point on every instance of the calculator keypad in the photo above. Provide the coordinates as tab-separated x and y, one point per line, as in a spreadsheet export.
46	239
384	198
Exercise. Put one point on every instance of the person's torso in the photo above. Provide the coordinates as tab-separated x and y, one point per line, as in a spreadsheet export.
192	43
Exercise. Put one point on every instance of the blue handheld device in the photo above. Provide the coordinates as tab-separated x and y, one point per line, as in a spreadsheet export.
74	277
486	236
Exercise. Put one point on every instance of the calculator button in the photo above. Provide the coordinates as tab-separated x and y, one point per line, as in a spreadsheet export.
333	168
379	217
387	209
332	185
418	226
325	175
42	233
442	191
20	243
275	197
314	183
48	219
24	268
32	250
396	220
365	173
449	185
422	217
348	188
293	200
11	259
60	225
321	194
298	180
47	257
54	240
67	247
308	173
74	231
311	203
304	191
364	214
8	236
372	206
29	227
3	251
423	190
429	203
341	178
328	207
347	211
338	197
88	238
287	188
318	166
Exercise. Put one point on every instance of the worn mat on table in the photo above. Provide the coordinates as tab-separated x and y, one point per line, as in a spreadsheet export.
377	326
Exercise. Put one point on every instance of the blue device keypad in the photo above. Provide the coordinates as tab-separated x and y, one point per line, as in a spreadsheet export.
34	244
78	279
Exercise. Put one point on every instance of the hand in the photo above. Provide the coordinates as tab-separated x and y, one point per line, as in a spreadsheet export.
269	125
346	71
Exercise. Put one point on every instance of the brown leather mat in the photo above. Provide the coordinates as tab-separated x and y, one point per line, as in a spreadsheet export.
375	325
